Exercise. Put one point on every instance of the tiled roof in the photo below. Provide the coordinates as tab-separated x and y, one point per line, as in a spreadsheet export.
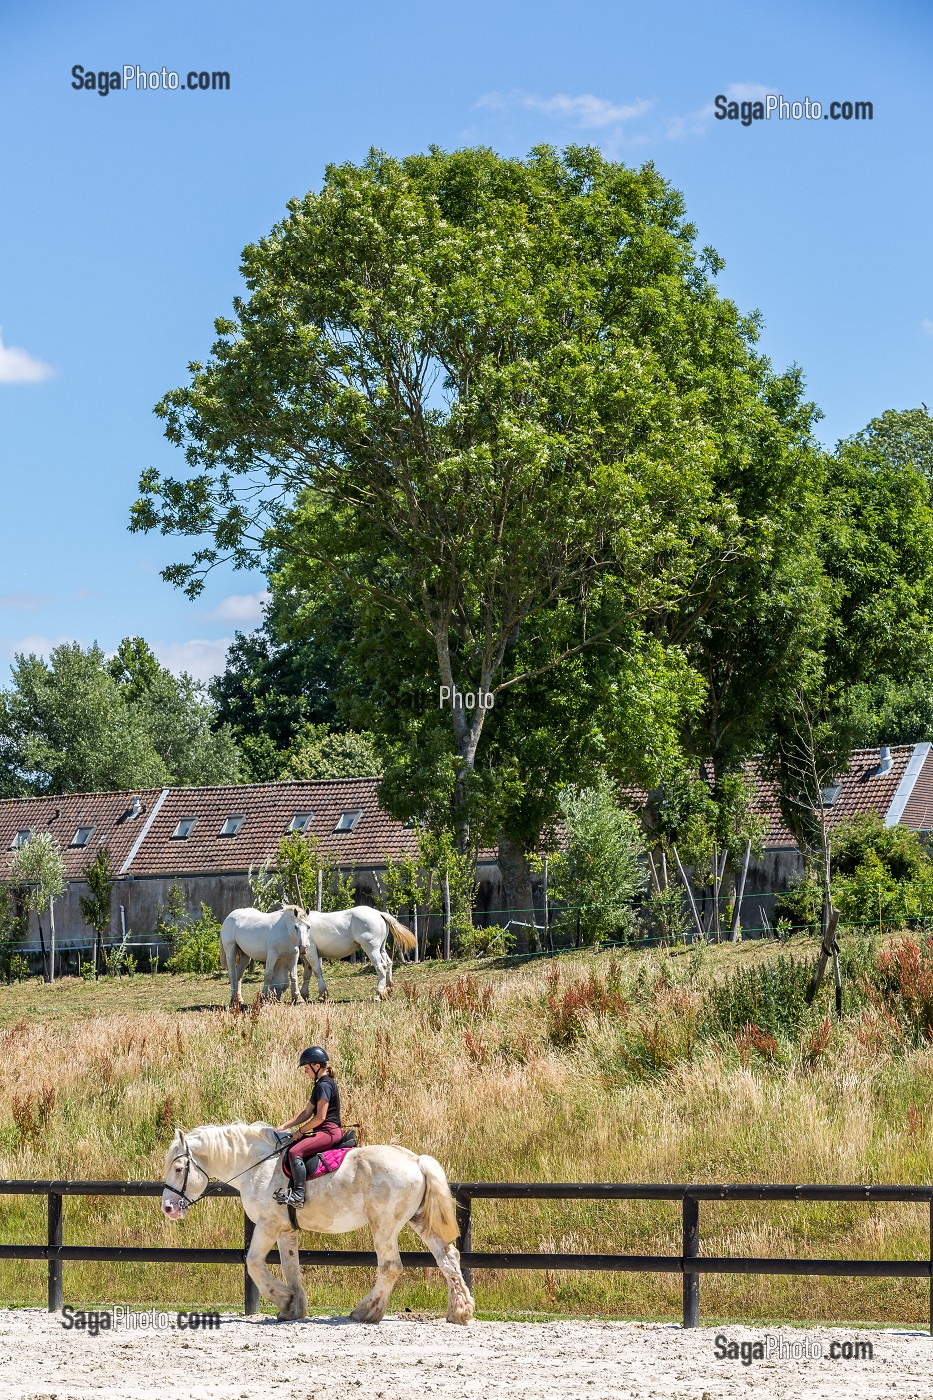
145	845
859	791
269	810
109	813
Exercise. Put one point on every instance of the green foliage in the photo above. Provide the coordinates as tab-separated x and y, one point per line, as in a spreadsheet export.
14	929
38	868
691	814
770	997
881	875
195	944
405	885
437	851
292	876
801	904
485	941
95	905
81	723
581	354
599	872
665	915
319	752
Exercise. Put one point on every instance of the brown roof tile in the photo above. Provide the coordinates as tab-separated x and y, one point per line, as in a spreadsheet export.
107	812
269	809
859	792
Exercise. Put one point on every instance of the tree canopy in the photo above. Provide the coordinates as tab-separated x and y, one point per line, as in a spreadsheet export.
498	409
82	723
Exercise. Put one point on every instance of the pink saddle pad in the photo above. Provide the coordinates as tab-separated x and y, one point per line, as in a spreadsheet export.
331	1160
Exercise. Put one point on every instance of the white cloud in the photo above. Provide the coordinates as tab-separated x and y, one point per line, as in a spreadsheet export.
926	326
201	659
585	110
240	607
36	643
24	602
696	123
19	367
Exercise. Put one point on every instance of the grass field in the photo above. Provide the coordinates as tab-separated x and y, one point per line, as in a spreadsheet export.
588	1066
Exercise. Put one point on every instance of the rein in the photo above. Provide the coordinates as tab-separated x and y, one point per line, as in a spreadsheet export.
186	1201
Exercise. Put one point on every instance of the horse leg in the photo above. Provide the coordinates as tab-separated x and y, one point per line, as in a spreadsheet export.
269	992
293	979
283	1295
237	963
460	1304
291	1268
374	953
313	960
389	1268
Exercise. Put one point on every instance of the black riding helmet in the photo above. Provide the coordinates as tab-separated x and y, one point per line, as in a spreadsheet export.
314	1055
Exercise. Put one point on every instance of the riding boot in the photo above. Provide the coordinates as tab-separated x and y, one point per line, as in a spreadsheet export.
296	1196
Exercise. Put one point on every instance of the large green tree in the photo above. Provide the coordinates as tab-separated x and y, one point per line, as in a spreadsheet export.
498	405
79	722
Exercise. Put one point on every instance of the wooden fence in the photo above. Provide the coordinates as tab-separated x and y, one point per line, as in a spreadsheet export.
689	1263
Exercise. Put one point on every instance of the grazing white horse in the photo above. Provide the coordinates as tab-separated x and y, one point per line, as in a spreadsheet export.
277	939
336	935
382	1187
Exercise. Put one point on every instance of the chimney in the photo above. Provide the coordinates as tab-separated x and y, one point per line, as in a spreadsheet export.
885	764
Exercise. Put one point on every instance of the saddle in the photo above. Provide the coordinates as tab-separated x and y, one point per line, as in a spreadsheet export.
323	1162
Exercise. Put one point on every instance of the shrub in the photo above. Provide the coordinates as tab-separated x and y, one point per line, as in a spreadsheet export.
196	944
489	942
600	872
665	916
771	998
881	875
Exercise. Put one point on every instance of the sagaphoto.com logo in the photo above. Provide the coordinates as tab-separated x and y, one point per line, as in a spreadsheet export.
132	78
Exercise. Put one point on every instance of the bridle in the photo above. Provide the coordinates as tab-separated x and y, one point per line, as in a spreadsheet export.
184	1200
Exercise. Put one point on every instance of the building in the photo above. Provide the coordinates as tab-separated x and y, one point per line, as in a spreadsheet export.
208	838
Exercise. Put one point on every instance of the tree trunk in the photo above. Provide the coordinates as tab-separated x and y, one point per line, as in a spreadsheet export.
516	891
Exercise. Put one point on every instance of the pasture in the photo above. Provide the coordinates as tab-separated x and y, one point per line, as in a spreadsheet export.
590	1066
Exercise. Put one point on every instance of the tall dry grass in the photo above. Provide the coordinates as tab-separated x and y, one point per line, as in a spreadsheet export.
591	1067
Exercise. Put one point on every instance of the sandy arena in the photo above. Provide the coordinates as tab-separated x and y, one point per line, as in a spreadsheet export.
408	1357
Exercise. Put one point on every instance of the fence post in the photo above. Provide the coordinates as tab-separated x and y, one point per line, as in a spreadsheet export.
250	1291
465	1226
54	1242
931	1266
691	1248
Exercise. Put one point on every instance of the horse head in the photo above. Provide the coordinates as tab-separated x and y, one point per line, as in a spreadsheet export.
184	1178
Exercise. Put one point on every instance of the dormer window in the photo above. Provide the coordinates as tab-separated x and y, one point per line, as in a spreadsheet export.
20	839
830	795
231	826
348	821
82	836
184	829
301	820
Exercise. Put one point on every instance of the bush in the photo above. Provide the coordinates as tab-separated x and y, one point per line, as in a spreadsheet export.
881	875
489	942
801	905
771	998
195	943
600	872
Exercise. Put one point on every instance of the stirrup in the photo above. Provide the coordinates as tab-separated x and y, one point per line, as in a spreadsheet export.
288	1196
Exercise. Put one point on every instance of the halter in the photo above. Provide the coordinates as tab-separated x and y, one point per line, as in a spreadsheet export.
186	1202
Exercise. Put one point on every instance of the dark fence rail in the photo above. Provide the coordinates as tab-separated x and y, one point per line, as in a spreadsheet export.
690	1263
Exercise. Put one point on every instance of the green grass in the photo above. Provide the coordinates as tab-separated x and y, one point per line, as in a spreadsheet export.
586	1066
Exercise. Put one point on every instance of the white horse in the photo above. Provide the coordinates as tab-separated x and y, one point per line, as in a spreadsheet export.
277	939
385	1188
336	935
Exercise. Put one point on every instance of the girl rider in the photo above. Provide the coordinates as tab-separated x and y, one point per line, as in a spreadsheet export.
322	1116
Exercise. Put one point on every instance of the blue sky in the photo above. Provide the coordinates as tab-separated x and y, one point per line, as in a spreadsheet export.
124	217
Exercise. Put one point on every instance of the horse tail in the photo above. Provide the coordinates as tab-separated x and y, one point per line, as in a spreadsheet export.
223	957
400	934
438	1209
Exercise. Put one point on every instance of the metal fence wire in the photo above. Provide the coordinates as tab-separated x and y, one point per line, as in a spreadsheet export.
690	1263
